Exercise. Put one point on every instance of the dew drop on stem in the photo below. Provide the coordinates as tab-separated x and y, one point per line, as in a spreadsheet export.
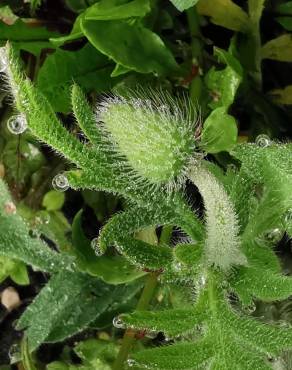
118	323
263	140
95	246
17	124
60	182
131	362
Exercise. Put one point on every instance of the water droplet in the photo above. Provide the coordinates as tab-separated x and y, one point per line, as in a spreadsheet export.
17	124
118	323
14	353
60	182
263	140
131	362
275	235
95	246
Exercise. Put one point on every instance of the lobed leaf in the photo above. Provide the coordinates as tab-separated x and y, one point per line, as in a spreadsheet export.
67	304
17	243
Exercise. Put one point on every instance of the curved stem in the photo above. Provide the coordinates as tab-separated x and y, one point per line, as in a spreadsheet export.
143	303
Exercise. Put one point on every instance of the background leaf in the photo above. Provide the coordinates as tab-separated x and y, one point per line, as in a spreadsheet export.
87	67
131	45
67	304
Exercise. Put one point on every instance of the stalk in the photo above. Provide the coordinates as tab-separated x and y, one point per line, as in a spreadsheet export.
255	9
143	304
196	48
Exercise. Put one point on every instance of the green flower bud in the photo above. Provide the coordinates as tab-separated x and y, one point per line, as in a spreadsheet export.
156	138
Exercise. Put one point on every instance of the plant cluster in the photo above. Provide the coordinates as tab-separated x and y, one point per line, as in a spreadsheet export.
148	146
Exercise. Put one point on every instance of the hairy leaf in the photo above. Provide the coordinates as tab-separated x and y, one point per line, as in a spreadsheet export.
17	243
67	304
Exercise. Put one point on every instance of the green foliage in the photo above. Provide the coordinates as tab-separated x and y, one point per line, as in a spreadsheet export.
95	355
17	242
15	269
67	305
86	67
147	147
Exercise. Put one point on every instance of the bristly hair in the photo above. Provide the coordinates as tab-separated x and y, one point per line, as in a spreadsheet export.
152	133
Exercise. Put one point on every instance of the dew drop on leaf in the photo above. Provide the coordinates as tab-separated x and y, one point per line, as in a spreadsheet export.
14	353
263	140
131	362
17	124
95	246
118	323
60	182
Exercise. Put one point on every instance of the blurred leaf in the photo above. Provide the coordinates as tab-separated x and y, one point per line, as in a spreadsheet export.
182	5
92	349
78	5
15	269
279	49
24	31
95	355
33	47
16	241
21	159
131	45
224	83
219	132
7	16
224	13
282	96
67	304
53	200
104	10
87	67
111	269
285	22
284	8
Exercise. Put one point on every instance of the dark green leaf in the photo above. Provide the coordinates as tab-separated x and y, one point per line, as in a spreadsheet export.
67	304
87	67
111	269
182	5
219	132
131	45
16	242
105	10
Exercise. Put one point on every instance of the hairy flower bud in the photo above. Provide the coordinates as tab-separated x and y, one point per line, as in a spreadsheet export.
156	139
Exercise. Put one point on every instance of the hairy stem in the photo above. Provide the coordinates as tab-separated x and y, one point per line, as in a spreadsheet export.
143	303
222	245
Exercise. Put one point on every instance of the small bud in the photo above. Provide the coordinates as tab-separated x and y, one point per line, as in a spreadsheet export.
156	139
